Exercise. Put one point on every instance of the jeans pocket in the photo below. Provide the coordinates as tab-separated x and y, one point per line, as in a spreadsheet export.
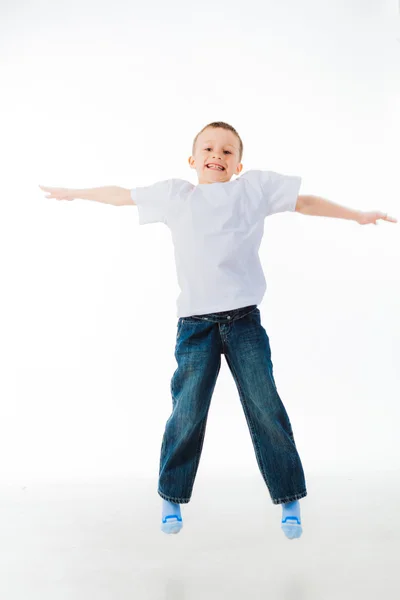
253	314
179	325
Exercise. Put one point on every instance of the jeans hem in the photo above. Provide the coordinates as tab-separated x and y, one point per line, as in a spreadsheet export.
173	499
289	498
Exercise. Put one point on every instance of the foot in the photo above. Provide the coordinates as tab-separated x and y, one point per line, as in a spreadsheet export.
291	522
171	517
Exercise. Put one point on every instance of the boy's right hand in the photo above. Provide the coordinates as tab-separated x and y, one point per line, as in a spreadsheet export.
58	193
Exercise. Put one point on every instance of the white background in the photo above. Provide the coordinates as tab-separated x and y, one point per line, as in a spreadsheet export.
96	93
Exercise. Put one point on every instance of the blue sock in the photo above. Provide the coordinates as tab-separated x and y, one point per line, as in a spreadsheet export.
171	517
291	522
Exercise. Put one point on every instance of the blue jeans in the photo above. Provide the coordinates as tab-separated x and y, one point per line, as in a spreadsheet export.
201	339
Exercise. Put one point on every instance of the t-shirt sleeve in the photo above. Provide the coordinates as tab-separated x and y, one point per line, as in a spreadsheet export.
278	192
153	201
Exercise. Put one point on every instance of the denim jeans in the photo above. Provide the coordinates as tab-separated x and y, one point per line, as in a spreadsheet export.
240	336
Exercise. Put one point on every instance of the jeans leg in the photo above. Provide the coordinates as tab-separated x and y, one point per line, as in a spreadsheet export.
248	354
198	356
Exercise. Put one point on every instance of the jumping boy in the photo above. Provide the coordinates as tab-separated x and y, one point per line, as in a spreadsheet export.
217	228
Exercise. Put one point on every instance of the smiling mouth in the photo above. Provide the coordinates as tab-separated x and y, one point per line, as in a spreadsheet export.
215	168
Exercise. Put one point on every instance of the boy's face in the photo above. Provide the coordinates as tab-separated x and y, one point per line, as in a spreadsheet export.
220	146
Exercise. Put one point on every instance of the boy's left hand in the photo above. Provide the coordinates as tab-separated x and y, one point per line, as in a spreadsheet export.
371	217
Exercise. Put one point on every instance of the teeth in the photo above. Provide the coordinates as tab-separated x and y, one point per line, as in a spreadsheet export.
214	167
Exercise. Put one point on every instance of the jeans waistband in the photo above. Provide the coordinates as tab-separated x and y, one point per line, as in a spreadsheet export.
226	315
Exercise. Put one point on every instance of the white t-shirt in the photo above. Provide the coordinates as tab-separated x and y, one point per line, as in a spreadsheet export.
216	231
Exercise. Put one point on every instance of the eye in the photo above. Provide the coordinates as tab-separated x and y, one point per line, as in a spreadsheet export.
224	150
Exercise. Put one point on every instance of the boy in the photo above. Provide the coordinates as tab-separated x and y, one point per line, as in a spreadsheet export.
217	227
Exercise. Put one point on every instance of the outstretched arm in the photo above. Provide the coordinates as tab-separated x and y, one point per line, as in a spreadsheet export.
110	194
319	207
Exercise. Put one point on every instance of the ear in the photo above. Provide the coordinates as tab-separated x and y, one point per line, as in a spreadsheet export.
191	162
239	168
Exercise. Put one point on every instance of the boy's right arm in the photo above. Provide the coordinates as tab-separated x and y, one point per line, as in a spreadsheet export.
110	194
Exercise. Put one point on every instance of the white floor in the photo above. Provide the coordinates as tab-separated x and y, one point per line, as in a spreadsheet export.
103	541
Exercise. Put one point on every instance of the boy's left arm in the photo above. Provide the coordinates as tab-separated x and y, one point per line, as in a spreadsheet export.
319	207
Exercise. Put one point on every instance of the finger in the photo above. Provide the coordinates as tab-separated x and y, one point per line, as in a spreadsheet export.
386	217
51	190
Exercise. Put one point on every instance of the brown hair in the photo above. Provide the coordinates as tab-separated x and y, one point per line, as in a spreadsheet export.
223	125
